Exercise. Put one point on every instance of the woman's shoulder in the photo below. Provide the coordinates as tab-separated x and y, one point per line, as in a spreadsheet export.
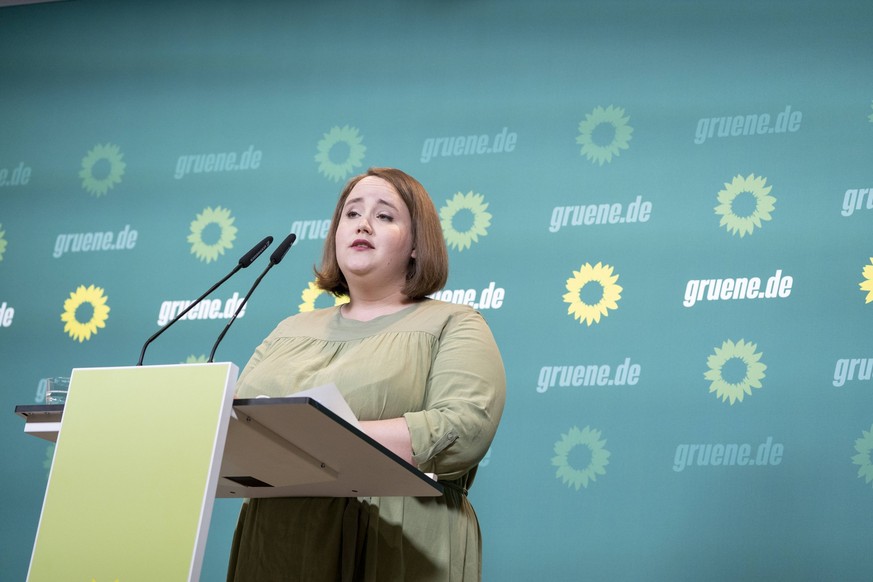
436	315
438	308
305	322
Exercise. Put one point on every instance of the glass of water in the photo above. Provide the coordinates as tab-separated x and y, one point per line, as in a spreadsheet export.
56	390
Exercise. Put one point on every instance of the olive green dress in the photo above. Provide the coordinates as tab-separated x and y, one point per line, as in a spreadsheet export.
435	364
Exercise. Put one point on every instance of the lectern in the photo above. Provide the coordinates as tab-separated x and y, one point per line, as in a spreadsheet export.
142	452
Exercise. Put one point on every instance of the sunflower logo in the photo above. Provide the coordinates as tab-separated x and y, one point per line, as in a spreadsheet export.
734	369
340	142
864	446
866	284
481	219
220	218
602	294
192	359
604	133
2	242
744	203
90	299
597	459
97	178
311	293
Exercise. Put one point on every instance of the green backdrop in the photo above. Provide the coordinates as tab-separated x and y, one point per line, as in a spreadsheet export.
663	210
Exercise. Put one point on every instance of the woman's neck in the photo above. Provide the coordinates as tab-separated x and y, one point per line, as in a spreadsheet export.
364	307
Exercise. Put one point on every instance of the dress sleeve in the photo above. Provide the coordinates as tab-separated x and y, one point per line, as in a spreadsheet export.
466	391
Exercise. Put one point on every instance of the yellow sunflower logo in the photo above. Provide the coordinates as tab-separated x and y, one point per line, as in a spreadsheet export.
2	242
604	133
593	465
87	298
311	293
192	359
220	218
734	369
604	297
463	238
866	284
744	203
340	142
97	178
864	446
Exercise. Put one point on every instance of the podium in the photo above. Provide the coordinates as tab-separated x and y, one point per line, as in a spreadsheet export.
142	452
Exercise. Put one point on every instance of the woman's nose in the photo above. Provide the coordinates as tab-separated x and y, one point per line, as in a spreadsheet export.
364	226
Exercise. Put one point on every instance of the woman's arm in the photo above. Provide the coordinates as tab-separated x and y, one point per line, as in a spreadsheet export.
465	394
393	434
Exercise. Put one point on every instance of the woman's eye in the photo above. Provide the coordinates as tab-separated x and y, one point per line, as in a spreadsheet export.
387	217
351	213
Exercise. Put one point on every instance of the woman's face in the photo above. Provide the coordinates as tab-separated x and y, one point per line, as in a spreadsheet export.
374	235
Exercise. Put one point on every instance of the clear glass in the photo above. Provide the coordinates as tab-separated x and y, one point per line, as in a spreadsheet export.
56	390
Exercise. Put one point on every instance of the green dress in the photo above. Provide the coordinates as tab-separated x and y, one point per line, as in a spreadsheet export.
435	364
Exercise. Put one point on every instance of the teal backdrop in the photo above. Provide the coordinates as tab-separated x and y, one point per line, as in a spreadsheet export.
664	210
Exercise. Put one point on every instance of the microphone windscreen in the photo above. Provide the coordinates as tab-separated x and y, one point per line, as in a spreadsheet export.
283	247
248	258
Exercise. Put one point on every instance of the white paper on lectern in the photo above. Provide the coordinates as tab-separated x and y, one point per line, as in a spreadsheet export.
329	396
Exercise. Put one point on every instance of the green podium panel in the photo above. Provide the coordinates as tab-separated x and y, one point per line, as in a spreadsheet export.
132	483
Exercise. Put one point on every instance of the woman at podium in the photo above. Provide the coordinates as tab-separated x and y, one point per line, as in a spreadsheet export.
424	377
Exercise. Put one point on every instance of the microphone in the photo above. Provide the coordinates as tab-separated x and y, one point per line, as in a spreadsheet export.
277	256
244	261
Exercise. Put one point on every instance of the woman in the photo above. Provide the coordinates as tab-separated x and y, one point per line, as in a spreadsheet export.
424	377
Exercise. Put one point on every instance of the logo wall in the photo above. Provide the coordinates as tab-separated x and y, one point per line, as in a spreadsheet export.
102	169
864	448
312	293
460	204
340	142
574	444
734	369
598	285
85	311
866	284
744	203
218	217
604	133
